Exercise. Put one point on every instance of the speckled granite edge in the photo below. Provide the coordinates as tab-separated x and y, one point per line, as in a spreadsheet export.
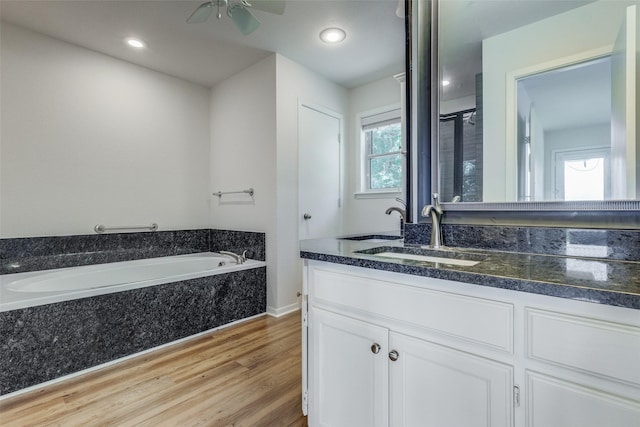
45	342
611	244
618	299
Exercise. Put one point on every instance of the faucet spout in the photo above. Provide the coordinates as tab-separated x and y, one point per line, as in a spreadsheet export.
239	259
402	212
403	216
435	211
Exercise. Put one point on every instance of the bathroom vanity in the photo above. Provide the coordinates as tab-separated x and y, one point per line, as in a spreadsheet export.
512	340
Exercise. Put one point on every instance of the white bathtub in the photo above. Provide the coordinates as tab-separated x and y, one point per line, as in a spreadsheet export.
34	288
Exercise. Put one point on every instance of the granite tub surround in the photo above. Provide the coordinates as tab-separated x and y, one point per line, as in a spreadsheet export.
45	253
611	244
46	342
19	255
594	279
238	242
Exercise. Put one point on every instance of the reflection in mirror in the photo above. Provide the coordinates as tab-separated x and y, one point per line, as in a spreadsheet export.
535	104
564	133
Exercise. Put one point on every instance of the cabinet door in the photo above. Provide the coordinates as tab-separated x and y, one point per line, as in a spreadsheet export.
349	365
433	385
553	402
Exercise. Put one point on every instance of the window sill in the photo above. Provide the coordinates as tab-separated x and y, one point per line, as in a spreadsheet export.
378	194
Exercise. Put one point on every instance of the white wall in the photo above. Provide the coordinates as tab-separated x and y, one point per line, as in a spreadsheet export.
87	139
366	215
526	47
243	155
295	85
254	143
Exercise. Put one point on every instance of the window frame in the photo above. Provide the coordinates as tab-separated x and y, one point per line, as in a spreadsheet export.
365	122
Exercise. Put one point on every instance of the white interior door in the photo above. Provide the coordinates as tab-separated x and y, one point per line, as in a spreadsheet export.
319	173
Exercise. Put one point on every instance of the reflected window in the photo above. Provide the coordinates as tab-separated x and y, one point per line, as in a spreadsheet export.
587	270
582	175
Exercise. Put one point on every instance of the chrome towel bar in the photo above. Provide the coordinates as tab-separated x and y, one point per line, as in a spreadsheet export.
248	191
100	228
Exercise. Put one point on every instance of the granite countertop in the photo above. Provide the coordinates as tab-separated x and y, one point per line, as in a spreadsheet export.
597	280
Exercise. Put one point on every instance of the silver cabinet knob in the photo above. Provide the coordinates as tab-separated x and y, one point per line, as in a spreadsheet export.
306	216
393	355
375	348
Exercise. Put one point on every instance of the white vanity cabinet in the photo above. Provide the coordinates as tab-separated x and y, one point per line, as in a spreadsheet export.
434	385
388	349
349	371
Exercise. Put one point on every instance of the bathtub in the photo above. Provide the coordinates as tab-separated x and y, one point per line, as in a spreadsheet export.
36	288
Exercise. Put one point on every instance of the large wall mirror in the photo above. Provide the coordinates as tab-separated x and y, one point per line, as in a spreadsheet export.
536	104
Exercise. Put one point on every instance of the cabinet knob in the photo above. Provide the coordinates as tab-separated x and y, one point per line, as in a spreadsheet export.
393	355
306	216
375	348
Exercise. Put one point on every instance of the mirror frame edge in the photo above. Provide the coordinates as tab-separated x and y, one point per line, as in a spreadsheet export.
616	214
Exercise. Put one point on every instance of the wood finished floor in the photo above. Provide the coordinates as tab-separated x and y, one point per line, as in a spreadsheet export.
245	375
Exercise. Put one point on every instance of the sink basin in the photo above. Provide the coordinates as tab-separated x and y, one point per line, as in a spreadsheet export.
427	258
441	256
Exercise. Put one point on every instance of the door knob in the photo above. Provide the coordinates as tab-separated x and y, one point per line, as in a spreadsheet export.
375	348
393	355
306	216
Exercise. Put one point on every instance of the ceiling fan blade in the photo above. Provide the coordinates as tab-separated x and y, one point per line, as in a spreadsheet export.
201	14
271	6
244	20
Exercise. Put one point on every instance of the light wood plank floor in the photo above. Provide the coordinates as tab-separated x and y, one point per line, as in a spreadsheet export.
245	375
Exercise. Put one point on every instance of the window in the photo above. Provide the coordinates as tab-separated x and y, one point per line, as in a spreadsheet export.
582	174
382	152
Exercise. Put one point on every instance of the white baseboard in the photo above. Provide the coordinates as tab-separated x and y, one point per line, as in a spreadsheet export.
277	312
121	359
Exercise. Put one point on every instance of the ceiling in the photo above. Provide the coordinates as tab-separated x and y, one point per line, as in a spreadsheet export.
210	52
571	97
465	23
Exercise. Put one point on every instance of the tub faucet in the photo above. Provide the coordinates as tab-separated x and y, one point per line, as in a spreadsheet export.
240	259
435	211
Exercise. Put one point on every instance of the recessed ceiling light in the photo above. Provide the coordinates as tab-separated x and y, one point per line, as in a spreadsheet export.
332	35
137	43
446	83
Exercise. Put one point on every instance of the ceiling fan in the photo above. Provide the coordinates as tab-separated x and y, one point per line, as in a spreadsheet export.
238	11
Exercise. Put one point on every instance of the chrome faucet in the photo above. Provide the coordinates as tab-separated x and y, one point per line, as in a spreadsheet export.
240	259
402	212
435	211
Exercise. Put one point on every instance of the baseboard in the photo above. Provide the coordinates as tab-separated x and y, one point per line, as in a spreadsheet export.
278	312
